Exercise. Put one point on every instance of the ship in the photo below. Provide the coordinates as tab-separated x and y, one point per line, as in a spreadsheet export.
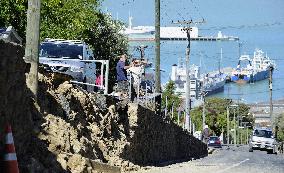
214	82
257	68
209	83
137	30
147	33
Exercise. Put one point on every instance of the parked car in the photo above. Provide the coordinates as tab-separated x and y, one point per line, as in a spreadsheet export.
214	141
262	139
67	56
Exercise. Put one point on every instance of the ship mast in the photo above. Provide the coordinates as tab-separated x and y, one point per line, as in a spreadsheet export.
129	20
221	57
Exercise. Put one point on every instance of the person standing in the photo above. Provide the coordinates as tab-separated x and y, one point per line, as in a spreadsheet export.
205	134
121	75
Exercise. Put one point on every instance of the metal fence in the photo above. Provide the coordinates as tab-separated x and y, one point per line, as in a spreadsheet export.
84	72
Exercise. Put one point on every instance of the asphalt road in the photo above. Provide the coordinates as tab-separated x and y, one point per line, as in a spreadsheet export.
237	160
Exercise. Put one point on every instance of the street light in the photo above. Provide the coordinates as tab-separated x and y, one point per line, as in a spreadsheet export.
246	126
241	134
235	134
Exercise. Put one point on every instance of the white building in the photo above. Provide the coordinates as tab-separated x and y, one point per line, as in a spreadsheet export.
178	75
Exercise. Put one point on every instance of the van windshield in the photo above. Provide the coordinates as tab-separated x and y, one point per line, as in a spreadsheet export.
263	133
61	50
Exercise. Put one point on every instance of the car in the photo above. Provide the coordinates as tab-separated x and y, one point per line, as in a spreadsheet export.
214	141
262	139
67	56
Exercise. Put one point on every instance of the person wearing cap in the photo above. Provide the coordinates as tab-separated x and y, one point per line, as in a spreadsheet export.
121	74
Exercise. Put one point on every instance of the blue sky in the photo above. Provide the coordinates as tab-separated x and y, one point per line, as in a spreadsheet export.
215	12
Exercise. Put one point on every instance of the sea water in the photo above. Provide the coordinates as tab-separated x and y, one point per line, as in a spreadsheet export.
258	24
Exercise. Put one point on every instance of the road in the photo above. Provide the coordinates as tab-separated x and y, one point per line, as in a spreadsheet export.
237	160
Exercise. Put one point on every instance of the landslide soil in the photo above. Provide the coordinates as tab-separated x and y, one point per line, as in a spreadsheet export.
77	126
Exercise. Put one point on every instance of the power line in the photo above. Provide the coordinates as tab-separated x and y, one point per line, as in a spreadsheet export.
257	25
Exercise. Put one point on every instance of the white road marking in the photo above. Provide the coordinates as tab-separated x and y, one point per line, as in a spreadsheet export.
234	165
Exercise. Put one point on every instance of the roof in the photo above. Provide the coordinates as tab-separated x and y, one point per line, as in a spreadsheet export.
63	41
263	128
10	35
2	30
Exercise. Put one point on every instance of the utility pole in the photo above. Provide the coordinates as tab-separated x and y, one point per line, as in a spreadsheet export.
240	44
247	135
179	112
157	49
203	109
221	58
270	95
141	49
187	91
32	44
241	137
172	117
235	132
228	124
166	110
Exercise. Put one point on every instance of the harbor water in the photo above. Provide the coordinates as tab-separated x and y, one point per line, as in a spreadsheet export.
263	29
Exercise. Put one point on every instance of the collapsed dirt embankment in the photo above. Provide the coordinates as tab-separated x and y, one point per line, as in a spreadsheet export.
68	128
14	97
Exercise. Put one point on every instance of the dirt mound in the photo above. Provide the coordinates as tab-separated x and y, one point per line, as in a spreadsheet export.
73	122
71	130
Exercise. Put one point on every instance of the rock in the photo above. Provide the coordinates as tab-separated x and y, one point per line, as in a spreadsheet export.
77	164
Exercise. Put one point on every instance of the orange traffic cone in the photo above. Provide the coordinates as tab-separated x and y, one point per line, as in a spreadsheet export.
10	158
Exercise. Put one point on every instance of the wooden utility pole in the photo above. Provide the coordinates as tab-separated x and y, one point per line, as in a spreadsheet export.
187	91
32	44
141	49
157	49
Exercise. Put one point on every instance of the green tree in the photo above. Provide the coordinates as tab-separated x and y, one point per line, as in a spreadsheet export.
107	42
216	114
280	124
13	12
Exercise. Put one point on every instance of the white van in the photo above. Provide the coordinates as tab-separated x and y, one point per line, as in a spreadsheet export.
262	139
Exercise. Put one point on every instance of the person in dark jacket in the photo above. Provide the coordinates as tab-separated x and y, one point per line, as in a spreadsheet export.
121	75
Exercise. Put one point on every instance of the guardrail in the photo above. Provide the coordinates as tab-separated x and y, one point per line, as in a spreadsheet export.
81	68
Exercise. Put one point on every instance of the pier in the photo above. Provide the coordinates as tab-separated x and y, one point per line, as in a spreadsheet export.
204	39
184	39
141	39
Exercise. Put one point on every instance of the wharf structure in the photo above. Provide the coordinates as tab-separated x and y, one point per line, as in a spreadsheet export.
178	34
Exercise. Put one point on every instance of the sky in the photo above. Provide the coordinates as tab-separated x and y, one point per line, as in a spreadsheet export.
215	12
